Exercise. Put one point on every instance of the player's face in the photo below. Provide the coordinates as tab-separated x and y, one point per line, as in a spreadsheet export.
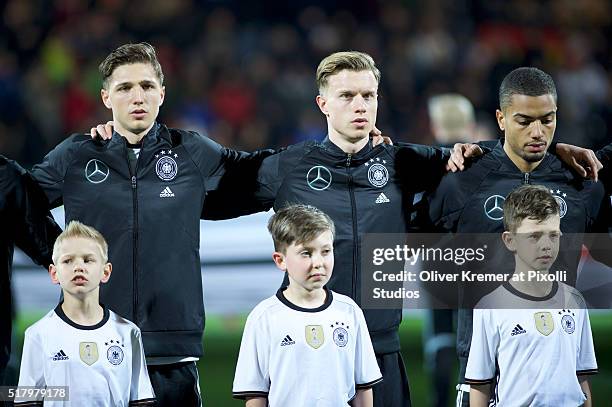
529	126
79	268
350	102
134	94
310	265
537	243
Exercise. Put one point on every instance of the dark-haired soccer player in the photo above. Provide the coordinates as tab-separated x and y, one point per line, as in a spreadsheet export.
472	201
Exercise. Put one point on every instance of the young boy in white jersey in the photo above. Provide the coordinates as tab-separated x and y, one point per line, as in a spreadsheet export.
536	331
305	346
81	344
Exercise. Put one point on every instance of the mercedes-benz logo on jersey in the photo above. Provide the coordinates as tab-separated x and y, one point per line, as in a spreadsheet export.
378	175
319	178
494	207
96	171
559	198
166	168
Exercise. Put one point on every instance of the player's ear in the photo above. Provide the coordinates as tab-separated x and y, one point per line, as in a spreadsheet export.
509	240
53	274
106	273
279	260
163	95
322	103
501	120
105	98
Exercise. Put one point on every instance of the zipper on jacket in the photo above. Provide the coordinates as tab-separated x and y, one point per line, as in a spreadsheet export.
135	241
354	220
526	178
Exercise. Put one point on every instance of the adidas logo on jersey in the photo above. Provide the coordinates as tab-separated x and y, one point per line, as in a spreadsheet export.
166	193
382	198
518	330
287	341
60	356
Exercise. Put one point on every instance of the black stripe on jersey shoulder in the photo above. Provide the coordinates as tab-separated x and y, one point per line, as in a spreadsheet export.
28	403
60	313
246	394
363	386
477	382
586	372
143	402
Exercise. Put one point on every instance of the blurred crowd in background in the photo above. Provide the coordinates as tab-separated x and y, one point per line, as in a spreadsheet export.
244	71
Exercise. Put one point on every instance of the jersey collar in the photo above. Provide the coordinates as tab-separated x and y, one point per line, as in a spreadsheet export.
60	313
328	300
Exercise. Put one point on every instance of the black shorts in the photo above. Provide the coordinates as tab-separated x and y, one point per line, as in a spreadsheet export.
393	390
176	384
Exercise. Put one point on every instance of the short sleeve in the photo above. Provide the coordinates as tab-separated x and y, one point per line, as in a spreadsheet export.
367	372
252	377
585	358
483	350
141	391
32	367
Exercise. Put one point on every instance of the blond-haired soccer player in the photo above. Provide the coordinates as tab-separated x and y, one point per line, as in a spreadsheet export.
81	344
307	345
536	331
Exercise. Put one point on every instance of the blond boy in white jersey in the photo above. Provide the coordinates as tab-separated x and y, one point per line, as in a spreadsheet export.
82	345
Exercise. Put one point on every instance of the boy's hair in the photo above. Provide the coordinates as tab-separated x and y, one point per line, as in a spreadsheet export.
76	229
298	224
527	81
528	202
339	61
130	54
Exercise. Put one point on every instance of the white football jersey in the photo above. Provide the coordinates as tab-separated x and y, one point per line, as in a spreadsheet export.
102	365
539	351
305	357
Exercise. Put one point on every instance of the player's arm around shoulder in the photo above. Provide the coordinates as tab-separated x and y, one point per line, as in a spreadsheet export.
212	159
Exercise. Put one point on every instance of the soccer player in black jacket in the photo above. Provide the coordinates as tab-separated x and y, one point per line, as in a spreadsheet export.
363	188
27	223
144	190
472	201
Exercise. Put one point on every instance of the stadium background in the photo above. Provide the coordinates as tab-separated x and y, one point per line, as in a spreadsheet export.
243	72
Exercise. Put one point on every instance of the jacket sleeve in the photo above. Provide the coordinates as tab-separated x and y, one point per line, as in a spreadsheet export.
246	188
420	167
35	230
446	204
51	172
229	177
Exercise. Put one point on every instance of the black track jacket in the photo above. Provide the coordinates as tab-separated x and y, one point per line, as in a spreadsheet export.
371	191
472	202
150	220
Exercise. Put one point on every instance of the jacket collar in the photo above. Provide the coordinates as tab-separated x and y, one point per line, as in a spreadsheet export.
334	150
506	163
156	137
